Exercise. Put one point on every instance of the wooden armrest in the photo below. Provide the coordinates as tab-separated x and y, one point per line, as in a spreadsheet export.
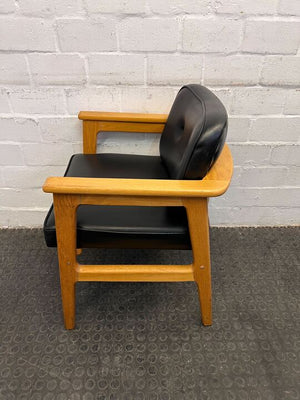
134	187
223	168
94	122
214	184
122	117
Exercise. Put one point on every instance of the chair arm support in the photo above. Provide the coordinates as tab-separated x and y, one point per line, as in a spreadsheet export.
94	122
122	117
134	187
211	186
223	168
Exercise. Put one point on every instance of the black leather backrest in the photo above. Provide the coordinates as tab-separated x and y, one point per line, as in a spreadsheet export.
194	134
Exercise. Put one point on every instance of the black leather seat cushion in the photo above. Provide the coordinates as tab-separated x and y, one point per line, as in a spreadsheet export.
123	226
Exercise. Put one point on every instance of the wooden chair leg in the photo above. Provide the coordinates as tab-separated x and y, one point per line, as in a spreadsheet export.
65	220
199	233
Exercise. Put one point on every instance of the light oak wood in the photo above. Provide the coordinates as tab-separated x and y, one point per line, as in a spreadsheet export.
69	193
135	273
199	233
223	168
90	132
91	129
135	187
123	127
119	116
65	222
129	200
150	187
70	271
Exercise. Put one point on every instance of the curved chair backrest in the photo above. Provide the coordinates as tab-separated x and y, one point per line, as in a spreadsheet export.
194	134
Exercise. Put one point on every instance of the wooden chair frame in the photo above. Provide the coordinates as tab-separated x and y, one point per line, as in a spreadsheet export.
69	193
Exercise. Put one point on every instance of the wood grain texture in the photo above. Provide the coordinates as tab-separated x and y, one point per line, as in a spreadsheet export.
65	222
222	170
70	271
199	233
119	116
211	186
129	200
91	129
69	193
134	187
135	273
137	127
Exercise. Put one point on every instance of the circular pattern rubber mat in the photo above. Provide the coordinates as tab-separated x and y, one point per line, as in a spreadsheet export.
144	341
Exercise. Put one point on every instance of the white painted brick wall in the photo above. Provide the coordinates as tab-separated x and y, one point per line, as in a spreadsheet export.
36	8
254	7
202	7
267	129
281	70
19	176
149	34
261	176
114	69
157	99
46	8
37	101
7	6
93	98
60	57
4	106
239	129
19	130
277	37
11	154
292	104
245	154
60	130
289	7
222	35
27	34
258	101
293	174
46	153
57	69
116	6
232	70
286	155
13	69
169	69
87	35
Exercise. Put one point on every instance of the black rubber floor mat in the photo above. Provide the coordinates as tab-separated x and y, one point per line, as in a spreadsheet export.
144	341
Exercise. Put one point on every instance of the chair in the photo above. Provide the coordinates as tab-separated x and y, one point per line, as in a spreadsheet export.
138	201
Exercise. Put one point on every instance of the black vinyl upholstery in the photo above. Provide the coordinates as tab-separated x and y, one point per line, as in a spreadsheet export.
194	134
193	138
123	226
